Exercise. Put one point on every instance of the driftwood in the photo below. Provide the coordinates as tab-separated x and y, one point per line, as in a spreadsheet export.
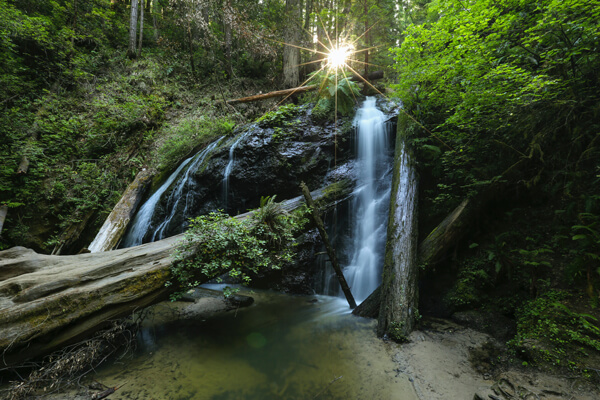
47	301
330	251
302	89
114	227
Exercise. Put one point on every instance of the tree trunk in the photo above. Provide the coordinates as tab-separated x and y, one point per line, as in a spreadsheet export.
23	166
291	54
399	291
116	223
47	301
330	251
139	51
3	213
436	246
191	48
227	43
133	29
154	23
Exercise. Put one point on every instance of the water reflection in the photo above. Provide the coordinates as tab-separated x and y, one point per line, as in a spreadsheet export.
282	347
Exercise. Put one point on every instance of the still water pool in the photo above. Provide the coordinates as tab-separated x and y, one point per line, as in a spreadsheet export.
281	347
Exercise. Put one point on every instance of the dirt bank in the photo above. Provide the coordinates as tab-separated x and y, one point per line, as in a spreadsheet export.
446	361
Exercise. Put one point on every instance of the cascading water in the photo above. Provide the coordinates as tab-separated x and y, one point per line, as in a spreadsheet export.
229	167
369	206
142	222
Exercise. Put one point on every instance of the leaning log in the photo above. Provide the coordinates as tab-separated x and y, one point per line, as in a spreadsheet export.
115	224
47	301
330	251
399	291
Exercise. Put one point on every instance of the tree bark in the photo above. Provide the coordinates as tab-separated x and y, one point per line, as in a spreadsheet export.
291	54
328	247
435	247
399	290
227	42
3	213
139	50
133	29
154	23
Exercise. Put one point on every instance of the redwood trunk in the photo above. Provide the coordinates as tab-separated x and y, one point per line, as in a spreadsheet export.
399	290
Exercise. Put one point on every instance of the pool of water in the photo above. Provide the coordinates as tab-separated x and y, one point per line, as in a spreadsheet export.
281	347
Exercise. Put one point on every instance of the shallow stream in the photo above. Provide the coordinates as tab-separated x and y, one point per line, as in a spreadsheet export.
281	347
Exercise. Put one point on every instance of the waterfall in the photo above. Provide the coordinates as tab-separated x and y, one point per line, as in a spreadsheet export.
229	167
369	206
141	224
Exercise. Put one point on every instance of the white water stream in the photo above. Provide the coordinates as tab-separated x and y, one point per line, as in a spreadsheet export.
369	205
141	224
229	167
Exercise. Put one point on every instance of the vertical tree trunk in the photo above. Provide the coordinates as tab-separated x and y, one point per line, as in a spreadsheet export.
3	213
139	51
291	54
399	292
227	29
191	47
367	43
133	29
154	23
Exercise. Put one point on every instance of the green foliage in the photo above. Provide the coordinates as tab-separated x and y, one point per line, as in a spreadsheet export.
282	116
395	332
562	336
491	99
180	139
216	244
337	93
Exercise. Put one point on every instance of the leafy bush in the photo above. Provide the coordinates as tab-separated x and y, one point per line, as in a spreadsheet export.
560	335
216	244
336	94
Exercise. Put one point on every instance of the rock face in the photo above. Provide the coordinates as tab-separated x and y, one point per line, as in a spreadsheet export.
271	158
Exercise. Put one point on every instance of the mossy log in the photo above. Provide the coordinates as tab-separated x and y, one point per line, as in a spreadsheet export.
115	224
47	301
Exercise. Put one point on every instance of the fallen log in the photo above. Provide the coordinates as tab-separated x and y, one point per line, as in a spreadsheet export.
278	93
48	301
302	89
330	251
115	224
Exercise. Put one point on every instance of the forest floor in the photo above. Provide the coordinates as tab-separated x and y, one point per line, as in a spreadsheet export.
448	361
